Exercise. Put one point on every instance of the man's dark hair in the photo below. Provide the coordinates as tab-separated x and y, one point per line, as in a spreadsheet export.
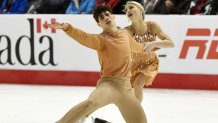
99	9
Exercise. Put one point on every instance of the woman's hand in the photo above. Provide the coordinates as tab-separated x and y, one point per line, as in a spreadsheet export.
148	47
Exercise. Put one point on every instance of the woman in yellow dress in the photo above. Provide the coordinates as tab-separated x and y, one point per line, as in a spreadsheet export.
145	66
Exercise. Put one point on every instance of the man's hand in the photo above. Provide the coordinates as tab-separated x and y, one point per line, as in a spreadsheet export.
62	26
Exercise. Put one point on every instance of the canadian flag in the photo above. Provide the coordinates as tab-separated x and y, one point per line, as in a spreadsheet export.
44	25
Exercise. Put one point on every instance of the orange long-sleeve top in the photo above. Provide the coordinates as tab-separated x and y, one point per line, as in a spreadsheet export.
114	50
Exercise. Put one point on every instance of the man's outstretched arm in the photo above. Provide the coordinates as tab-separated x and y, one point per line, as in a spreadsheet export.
89	40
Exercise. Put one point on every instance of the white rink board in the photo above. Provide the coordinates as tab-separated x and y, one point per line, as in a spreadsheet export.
68	55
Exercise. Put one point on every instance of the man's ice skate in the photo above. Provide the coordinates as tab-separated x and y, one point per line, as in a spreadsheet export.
98	120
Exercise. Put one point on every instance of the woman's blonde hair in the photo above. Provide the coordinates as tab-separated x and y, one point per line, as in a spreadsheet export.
139	6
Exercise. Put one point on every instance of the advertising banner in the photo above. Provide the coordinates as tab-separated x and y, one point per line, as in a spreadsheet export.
49	56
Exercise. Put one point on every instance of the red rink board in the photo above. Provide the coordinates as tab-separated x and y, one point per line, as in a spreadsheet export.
77	78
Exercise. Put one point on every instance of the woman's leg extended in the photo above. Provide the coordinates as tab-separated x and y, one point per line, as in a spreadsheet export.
138	86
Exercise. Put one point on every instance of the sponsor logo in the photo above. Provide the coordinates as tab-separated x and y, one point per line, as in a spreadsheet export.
198	33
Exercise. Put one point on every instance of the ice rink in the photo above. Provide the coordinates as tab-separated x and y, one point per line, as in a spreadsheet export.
46	104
